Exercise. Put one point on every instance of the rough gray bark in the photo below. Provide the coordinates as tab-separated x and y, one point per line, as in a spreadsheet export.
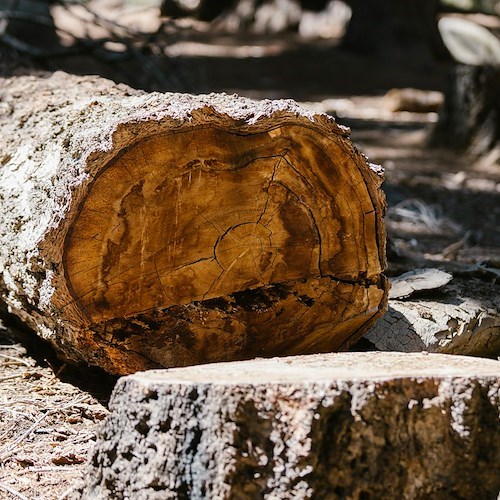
470	118
214	220
353	425
464	319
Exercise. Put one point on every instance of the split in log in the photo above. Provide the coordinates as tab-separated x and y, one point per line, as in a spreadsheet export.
350	425
142	230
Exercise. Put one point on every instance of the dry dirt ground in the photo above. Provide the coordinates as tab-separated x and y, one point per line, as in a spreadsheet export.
444	210
48	418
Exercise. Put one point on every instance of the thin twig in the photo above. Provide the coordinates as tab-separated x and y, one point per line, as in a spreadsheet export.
26	48
27	16
12	491
8	449
66	493
17	347
98	19
147	39
49	468
16	359
7	431
11	377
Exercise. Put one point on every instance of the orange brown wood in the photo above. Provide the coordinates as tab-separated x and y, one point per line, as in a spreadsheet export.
224	246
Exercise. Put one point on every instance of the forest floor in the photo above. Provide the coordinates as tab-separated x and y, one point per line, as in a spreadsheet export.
443	210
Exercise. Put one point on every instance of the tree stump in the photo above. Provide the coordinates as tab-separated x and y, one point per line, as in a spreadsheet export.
142	230
470	118
350	425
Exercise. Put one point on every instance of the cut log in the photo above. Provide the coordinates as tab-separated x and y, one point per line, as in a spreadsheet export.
141	230
463	319
350	425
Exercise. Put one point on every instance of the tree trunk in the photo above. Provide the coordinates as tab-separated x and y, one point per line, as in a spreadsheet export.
470	118
352	425
143	230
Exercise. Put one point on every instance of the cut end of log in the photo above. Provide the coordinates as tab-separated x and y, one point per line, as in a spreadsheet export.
213	228
224	246
325	368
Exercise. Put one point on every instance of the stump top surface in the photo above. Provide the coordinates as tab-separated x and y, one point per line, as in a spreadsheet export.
319	368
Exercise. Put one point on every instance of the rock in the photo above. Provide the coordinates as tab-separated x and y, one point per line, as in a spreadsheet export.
351	425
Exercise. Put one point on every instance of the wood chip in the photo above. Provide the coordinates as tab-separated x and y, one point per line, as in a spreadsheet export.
418	280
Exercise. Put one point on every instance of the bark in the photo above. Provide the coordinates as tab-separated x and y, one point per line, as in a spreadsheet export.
143	230
470	118
464	319
352	425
